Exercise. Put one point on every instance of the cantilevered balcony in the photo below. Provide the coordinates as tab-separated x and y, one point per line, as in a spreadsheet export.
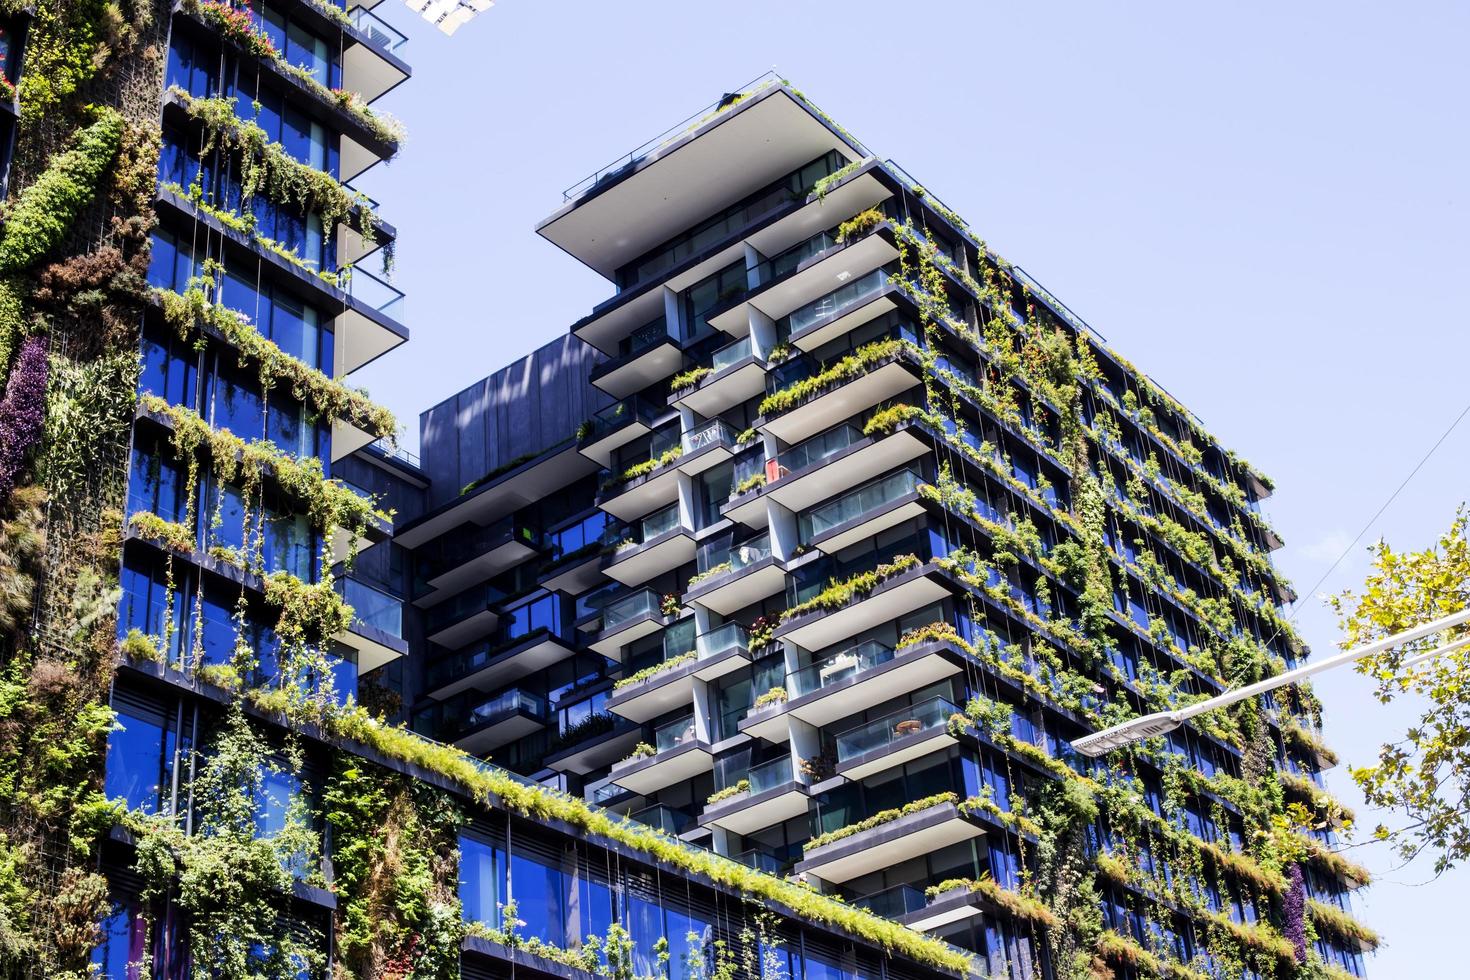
736	375
376	631
718	157
862	512
581	753
892	903
894	597
731	576
464	618
841	310
862	676
491	663
648	547
899	737
502	491
954	905
822	285
840	398
628	617
574	552
775	793
648	480
371	61
472	553
479	723
646	356
615	426
706	445
841	456
888	844
372	323
678	756
670	683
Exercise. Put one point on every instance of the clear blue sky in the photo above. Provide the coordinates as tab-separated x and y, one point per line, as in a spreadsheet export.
1263	205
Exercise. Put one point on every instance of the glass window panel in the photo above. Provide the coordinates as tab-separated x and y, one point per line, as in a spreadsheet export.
645	924
119	956
540	894
161	261
135	762
238	409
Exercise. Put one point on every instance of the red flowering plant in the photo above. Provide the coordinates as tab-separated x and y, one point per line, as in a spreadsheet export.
237	22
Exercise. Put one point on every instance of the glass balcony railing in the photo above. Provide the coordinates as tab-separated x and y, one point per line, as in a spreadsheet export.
769	775
462	606
803	366
760	861
618	414
379	33
730	354
540	614
722	556
837	668
679	639
790	260
644	602
663	817
674	734
373	607
855	503
648	336
819	448
722	640
606	794
715	432
893	902
926	716
662	440
375	294
452	719
622	535
392	450
859	290
470	542
750	462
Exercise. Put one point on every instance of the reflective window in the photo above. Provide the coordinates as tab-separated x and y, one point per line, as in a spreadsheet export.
139	767
481	881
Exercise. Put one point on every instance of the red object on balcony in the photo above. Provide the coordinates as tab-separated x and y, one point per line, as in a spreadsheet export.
773	470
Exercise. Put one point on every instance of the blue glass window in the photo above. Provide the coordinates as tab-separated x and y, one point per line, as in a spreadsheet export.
540	895
119	956
170	370
140	761
237	405
481	881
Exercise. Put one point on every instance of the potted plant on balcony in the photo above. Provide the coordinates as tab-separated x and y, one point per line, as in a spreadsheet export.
729	792
760	632
640	751
770	700
820	766
669	604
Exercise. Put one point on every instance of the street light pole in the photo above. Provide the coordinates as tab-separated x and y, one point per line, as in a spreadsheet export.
1163	722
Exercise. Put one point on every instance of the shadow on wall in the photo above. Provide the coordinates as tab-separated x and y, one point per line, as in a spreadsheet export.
525	407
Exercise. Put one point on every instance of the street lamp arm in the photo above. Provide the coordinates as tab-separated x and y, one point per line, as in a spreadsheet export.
1160	723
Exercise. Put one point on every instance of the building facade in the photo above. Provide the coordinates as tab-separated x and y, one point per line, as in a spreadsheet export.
847	529
740	632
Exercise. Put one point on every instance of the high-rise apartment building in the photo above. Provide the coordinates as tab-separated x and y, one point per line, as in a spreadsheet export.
740	632
832	534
